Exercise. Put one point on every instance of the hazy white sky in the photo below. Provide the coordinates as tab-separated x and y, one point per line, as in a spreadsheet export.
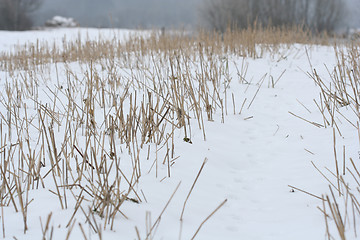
142	13
122	13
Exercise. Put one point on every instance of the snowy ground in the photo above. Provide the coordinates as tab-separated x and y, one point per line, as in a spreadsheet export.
251	159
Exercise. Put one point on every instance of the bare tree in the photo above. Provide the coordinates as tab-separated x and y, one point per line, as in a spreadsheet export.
14	14
317	15
327	13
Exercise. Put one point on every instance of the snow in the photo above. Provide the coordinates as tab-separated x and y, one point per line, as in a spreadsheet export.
11	40
251	158
59	21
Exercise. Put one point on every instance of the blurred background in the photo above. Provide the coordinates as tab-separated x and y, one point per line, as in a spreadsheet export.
318	15
122	13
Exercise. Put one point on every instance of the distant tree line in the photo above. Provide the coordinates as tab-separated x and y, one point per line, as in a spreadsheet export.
316	15
14	14
122	13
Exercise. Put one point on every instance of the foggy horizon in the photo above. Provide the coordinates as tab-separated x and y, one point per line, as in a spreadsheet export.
144	13
122	13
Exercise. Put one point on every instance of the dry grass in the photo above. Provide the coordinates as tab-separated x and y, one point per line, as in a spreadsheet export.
250	42
339	105
73	115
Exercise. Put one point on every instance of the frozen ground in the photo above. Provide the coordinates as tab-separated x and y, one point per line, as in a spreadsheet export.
10	40
251	159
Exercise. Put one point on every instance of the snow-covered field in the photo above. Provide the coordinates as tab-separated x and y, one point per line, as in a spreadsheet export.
254	147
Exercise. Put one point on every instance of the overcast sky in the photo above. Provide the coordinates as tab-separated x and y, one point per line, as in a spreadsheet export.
122	13
141	13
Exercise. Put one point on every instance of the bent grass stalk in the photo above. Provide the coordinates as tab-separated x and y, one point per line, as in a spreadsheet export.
111	100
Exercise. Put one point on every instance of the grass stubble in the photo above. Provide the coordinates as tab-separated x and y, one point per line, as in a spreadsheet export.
112	104
338	104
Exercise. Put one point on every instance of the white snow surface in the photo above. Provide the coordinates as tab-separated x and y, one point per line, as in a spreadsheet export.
252	158
11	40
59	21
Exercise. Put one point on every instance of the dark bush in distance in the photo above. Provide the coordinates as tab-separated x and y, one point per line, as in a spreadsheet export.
14	14
316	15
